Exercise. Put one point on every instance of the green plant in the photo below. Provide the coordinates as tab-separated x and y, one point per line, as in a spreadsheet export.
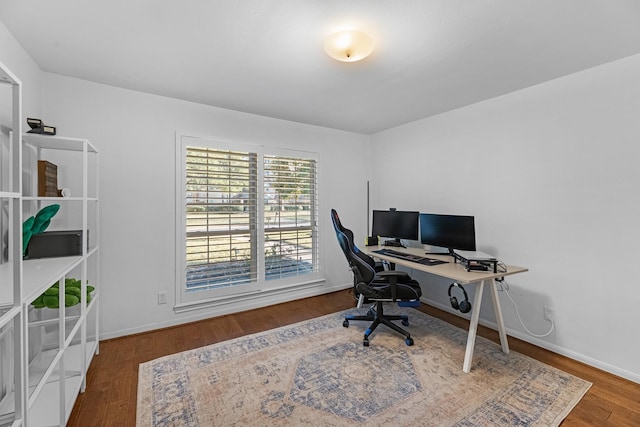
72	293
37	224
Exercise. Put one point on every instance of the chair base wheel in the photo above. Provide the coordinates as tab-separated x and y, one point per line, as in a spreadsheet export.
377	316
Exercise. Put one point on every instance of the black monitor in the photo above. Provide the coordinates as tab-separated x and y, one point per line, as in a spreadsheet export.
448	231
396	224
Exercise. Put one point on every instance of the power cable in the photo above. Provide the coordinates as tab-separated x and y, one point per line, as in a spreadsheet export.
505	288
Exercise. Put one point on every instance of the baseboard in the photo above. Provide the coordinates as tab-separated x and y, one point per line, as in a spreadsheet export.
544	344
251	302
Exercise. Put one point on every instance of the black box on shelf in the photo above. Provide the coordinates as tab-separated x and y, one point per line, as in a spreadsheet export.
55	244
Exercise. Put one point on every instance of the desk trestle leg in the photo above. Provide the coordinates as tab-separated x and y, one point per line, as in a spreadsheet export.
473	328
475	315
499	319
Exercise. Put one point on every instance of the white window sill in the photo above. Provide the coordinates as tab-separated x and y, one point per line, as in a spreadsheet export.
251	299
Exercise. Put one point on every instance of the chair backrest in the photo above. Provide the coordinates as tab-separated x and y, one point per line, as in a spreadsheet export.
363	265
337	225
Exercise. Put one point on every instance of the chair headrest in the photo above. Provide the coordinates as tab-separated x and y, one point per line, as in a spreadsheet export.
354	256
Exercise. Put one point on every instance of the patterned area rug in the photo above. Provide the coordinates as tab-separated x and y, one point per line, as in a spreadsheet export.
317	373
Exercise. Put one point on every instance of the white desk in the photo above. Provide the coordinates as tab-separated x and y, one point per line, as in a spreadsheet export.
458	273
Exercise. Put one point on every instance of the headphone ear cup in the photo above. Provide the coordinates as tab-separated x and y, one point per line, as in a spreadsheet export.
465	306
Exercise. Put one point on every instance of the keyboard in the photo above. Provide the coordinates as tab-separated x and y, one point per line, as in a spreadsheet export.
410	257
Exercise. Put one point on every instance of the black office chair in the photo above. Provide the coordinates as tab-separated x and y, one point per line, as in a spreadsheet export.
376	286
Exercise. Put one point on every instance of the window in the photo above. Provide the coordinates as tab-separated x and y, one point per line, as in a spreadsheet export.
247	219
289	216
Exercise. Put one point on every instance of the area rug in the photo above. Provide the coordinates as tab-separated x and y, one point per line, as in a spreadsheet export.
318	373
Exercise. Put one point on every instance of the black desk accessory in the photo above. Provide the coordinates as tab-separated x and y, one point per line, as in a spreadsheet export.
55	244
464	306
371	241
34	123
394	243
477	265
37	126
44	130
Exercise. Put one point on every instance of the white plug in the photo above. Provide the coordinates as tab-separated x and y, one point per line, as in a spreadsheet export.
549	314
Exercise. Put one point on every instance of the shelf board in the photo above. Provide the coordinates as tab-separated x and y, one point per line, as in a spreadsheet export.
46	409
7	408
9	195
37	276
9	316
46	405
58	199
39	273
52	199
72	358
57	142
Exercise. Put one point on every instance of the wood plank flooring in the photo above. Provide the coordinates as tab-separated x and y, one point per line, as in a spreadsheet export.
112	380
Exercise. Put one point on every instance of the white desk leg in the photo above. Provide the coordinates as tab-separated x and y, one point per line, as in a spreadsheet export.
473	327
499	319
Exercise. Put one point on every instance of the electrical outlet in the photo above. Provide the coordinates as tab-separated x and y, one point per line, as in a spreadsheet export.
162	297
549	313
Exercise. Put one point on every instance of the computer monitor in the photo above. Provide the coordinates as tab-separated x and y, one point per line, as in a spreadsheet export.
448	231
396	224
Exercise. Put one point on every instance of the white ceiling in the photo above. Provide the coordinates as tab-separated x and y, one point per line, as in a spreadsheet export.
266	56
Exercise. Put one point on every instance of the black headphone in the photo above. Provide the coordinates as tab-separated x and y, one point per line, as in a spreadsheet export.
463	306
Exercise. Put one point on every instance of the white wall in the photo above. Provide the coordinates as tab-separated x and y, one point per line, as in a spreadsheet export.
551	175
135	134
13	56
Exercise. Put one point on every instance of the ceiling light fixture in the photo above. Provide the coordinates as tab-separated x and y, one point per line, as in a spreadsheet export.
348	46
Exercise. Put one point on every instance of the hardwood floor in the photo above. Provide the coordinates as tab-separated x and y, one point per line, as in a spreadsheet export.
112	380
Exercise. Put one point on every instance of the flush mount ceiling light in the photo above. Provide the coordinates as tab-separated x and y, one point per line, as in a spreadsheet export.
348	46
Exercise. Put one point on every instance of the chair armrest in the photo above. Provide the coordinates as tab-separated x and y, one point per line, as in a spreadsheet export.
390	277
398	275
393	277
364	289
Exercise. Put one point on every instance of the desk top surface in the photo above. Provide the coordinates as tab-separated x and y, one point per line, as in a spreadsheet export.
450	269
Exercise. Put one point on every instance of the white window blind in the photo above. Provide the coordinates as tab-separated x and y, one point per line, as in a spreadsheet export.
247	219
290	240
221	218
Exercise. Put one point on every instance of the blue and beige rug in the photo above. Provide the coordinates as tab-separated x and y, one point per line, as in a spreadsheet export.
317	373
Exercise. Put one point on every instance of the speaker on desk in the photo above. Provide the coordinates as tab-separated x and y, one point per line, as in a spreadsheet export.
464	306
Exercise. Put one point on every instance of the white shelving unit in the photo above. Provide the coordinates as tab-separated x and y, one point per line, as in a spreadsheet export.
12	315
51	348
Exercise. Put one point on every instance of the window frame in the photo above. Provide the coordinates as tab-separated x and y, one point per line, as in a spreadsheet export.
261	285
